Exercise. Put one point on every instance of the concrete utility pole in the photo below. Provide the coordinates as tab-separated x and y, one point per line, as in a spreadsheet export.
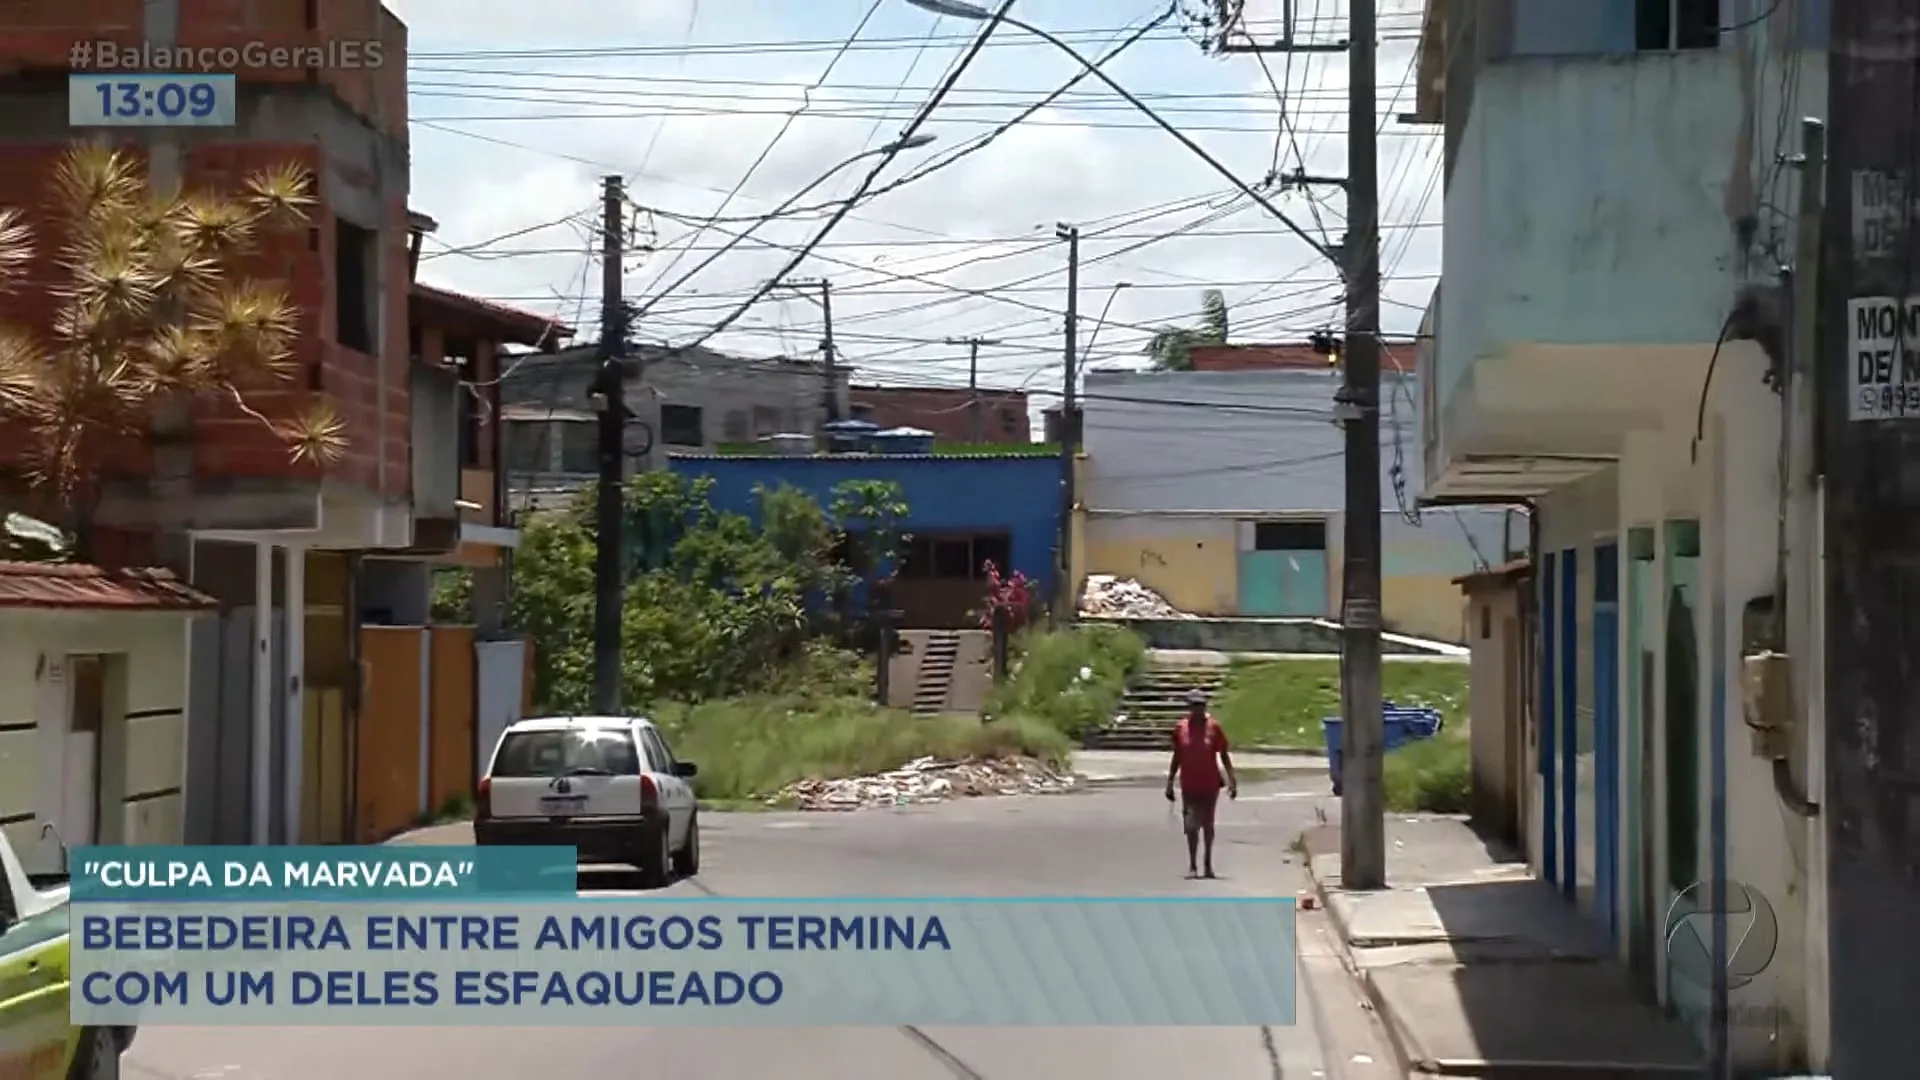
1069	428
974	426
1869	383
1363	857
1363	843
610	394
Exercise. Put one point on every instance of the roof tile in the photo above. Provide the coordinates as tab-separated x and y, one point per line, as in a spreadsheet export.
74	586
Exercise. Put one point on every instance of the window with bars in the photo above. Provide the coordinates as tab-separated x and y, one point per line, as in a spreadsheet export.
1673	25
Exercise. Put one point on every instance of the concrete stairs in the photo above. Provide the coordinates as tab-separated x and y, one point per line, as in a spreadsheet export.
933	683
1153	705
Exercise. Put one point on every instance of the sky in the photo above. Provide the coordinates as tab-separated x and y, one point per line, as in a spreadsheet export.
520	109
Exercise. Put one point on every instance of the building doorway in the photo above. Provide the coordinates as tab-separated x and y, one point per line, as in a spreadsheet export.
94	784
1283	569
942	584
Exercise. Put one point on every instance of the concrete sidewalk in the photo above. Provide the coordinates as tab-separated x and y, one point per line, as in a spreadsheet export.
1477	969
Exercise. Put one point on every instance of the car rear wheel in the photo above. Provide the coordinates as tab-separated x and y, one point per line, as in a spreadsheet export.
686	861
656	854
99	1055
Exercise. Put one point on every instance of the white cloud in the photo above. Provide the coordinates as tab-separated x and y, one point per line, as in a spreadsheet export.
1096	166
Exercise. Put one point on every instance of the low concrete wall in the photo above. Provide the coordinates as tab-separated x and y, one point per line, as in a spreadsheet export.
1247	635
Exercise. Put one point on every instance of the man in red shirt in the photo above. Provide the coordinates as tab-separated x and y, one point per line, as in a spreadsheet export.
1199	759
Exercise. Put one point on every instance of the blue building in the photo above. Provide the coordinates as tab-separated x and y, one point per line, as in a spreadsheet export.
962	512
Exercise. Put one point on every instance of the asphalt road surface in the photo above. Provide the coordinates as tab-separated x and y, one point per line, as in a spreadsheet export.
1109	842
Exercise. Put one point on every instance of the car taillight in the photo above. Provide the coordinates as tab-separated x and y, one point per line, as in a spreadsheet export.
482	799
649	794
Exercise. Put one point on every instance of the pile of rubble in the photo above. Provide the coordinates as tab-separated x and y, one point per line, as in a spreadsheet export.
926	780
1110	597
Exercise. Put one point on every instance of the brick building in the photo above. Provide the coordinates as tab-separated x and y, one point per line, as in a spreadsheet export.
947	412
1297	356
348	275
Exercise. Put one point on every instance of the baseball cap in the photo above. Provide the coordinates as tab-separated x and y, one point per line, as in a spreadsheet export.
1196	697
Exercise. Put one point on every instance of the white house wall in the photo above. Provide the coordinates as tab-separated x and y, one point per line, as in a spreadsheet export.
1728	483
1594	198
1228	441
1768	847
35	748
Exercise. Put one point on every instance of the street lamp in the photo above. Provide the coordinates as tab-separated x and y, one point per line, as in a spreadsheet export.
962	9
911	142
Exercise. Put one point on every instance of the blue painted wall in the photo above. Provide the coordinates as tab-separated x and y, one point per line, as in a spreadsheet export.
1017	495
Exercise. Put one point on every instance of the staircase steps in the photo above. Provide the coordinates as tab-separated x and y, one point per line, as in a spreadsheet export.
934	681
1153	706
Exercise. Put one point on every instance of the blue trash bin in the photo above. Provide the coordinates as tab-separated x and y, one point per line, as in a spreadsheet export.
1399	724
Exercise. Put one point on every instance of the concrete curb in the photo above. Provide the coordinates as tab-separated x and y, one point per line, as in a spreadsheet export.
1397	1039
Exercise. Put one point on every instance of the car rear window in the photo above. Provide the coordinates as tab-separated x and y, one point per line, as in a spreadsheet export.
562	753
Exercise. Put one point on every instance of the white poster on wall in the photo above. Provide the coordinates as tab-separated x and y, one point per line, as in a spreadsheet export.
1883	358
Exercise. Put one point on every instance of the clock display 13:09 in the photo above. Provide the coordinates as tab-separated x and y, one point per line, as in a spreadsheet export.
171	100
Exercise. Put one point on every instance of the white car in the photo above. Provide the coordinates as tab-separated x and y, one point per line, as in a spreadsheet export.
606	786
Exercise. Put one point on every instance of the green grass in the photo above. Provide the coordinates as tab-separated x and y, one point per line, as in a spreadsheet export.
1433	775
940	449
1069	681
751	747
1280	703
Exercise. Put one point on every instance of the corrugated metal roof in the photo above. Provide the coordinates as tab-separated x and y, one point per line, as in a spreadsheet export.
75	586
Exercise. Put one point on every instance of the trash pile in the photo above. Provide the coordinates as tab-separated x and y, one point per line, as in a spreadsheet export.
926	780
1110	597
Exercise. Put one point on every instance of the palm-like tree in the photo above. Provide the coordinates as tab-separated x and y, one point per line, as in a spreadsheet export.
1170	347
150	313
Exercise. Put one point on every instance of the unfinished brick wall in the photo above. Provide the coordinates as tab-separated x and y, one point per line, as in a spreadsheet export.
35	35
1003	414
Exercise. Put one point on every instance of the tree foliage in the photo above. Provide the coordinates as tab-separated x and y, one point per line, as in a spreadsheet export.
716	604
1171	347
150	307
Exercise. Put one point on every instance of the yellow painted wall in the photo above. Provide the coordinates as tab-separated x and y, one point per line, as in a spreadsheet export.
1189	560
1423	605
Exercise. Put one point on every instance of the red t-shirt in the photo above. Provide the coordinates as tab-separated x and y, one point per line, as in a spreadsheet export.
1200	752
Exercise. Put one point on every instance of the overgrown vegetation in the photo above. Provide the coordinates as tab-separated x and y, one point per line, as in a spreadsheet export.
1069	681
1434	775
1280	703
737	633
152	313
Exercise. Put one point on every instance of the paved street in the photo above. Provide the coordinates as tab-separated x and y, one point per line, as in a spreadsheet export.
1115	842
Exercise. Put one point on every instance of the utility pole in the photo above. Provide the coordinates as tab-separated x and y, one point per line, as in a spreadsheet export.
829	370
831	401
1363	842
609	388
1363	857
975	427
1069	428
1869	383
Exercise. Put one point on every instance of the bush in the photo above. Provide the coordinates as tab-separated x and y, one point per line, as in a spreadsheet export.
716	604
1433	776
1071	680
751	747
